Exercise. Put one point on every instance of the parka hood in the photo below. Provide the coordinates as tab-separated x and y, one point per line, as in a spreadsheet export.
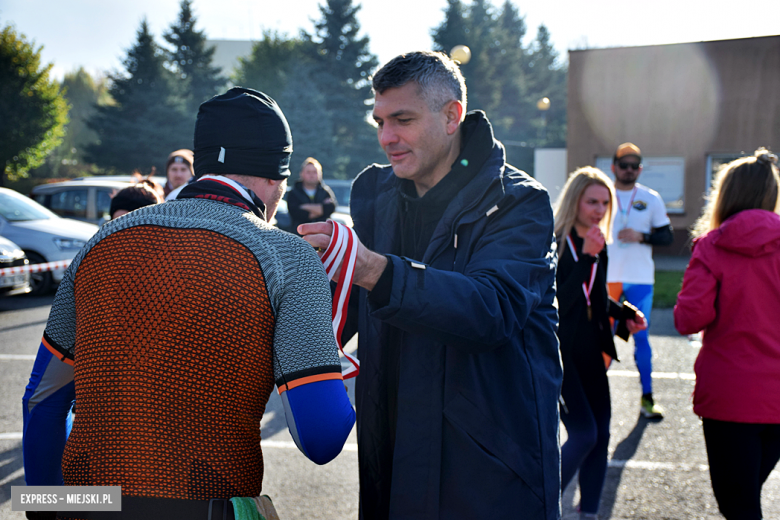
753	232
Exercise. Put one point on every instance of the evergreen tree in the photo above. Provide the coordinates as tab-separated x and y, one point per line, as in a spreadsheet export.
68	160
146	121
285	69
512	123
191	60
307	116
343	67
475	28
452	31
481	69
33	111
546	78
272	62
505	78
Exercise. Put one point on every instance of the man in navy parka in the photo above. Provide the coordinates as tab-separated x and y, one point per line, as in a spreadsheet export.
457	397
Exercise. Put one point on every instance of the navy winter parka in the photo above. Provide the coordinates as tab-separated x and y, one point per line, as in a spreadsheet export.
480	369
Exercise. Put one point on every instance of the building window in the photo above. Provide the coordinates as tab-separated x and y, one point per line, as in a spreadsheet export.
714	163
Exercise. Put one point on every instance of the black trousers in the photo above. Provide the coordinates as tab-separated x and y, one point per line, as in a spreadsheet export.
741	457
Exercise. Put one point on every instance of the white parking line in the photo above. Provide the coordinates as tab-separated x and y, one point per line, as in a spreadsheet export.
655	375
630	464
288	445
654	466
17	357
669	466
12	476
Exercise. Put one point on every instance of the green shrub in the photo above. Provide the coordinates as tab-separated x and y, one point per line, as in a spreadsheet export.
667	285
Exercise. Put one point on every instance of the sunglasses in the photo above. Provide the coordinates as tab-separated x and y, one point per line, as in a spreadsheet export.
629	165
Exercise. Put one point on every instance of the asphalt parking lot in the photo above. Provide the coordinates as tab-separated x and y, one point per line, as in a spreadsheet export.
658	469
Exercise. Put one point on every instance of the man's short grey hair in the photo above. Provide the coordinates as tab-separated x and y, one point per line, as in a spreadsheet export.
437	76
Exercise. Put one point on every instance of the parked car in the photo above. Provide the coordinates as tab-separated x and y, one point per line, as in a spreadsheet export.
12	255
43	235
86	198
341	189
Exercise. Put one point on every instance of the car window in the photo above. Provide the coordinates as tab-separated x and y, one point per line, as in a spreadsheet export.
40	198
103	202
341	189
70	203
15	207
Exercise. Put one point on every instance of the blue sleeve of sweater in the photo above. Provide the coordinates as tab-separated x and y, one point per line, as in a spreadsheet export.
319	417
47	403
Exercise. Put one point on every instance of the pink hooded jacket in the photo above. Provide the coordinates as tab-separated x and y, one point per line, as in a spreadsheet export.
731	291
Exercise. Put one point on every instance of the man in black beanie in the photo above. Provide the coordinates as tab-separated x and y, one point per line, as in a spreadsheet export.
224	306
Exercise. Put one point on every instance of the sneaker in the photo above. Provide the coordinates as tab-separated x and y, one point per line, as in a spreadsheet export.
649	409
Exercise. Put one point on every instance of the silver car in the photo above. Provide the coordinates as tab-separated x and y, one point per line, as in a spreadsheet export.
87	198
12	255
42	235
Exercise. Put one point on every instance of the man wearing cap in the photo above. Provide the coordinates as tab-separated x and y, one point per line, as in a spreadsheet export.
640	223
460	373
222	306
178	171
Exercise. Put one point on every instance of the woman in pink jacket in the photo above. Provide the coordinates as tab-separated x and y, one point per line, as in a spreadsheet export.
731	291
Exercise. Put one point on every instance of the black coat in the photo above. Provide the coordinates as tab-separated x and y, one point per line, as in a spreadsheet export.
480	372
580	336
297	197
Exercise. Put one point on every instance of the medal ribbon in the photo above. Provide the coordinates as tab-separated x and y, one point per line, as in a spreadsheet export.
586	288
342	246
628	209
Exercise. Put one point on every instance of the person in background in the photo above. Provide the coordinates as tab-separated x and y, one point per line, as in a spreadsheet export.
583	220
731	291
178	171
133	197
640	223
455	311
149	182
310	200
172	327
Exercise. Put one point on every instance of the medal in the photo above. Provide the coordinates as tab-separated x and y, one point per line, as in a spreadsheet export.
343	245
587	288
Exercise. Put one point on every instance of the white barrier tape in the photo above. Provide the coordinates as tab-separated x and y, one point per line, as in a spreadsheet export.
35	268
342	246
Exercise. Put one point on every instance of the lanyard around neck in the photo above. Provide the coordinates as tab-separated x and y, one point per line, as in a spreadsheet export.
587	288
626	211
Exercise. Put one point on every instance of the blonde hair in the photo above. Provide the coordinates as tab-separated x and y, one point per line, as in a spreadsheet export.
568	202
315	162
746	183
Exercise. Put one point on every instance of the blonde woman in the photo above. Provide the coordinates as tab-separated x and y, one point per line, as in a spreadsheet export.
583	221
731	291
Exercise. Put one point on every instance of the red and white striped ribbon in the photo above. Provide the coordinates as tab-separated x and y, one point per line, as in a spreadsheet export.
35	268
342	246
586	288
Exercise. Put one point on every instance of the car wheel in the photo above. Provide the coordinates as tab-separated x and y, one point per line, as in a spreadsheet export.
39	282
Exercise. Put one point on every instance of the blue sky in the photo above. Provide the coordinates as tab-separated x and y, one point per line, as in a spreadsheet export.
96	33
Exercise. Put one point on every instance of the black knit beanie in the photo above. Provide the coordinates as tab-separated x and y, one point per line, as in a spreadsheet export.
242	132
